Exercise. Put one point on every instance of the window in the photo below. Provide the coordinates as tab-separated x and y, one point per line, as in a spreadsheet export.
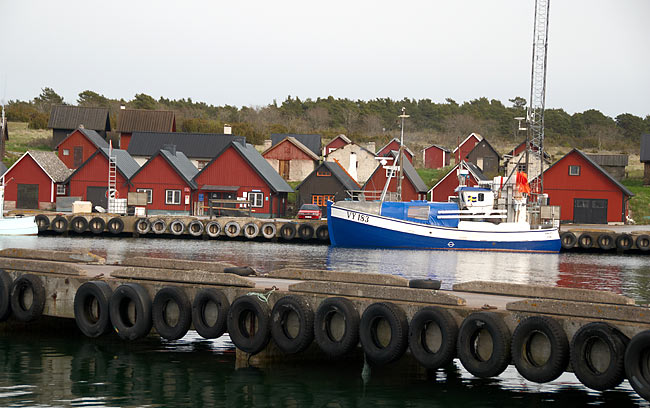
201	164
60	189
574	170
172	196
522	168
481	197
321	199
149	194
323	173
66	152
256	199
391	173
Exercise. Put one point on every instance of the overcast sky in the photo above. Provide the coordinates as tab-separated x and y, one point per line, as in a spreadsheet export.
252	52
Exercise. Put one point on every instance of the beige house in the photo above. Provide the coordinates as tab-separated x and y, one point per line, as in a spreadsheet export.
358	161
291	159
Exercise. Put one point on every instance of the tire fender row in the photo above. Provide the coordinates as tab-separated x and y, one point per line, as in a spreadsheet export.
605	241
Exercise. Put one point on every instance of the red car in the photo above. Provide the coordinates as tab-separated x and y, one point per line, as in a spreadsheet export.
309	212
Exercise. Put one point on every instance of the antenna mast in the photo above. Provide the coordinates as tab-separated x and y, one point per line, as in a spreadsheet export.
399	156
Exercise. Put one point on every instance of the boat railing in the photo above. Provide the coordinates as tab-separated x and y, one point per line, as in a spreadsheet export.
467	214
370	195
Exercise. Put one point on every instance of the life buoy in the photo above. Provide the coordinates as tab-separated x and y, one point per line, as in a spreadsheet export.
606	242
251	230
209	313
292	324
624	242
469	350
43	222
433	333
171	326
195	228
336	326
306	231
142	226
59	224
585	241
637	361
540	330
19	289
232	229
432	284
213	228
130	327
115	195
643	242
158	226
288	231
91	308
588	370
269	230
249	324
97	225
115	225
323	233
376	350
568	240
5	295
177	227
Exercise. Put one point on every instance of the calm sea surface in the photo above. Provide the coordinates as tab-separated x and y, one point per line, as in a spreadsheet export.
63	368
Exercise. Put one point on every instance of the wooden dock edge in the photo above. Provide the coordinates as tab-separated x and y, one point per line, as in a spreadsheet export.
337	276
191	276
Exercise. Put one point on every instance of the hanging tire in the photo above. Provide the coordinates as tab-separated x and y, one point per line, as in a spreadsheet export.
59	224
79	224
249	324
336	326
171	313
195	228
97	225
643	242
212	228
624	242
232	229
540	333
637	364
288	231
379	350
142	226
433	333
115	225
606	242
21	309
210	312
123	324
471	330
323	233
91	308
306	231
251	230
432	284
159	226
585	241
591	372
292	324
176	227
43	222
268	230
568	240
5	295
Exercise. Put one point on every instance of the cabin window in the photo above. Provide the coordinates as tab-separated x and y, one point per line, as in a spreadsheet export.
321	199
574	170
522	168
60	189
391	173
481	197
149	194
418	212
173	197
323	173
256	199
66	152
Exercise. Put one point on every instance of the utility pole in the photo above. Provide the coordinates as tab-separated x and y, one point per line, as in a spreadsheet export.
399	156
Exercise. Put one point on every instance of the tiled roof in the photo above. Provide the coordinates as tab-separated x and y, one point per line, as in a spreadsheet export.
70	117
143	120
181	164
51	164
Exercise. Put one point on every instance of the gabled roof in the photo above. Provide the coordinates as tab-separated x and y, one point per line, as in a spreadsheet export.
342	137
439	147
143	120
351	145
645	148
193	145
50	163
179	162
471	167
70	117
391	141
124	163
484	142
512	152
313	142
295	142
338	172
476	135
409	171
94	138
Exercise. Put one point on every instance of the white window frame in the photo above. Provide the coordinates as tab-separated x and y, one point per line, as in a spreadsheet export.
391	173
60	189
149	192
574	173
66	152
175	198
256	199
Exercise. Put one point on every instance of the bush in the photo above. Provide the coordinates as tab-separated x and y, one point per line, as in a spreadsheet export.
38	121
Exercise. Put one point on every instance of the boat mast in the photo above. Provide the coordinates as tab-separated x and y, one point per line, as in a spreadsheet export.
399	156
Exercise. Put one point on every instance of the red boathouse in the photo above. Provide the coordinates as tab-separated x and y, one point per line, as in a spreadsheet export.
78	146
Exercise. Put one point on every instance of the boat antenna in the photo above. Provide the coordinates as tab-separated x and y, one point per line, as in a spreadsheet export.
399	156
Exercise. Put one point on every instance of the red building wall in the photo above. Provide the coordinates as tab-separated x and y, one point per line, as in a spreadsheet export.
465	148
562	189
448	185
125	138
76	139
394	145
378	180
95	174
159	176
334	144
435	158
286	150
27	171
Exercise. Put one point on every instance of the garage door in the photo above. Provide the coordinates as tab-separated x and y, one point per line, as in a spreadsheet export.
27	196
97	196
589	211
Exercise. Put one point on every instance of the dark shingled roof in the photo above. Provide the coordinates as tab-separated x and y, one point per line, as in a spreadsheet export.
143	120
313	142
94	137
123	161
338	172
70	117
51	165
483	142
193	145
645	148
179	162
439	147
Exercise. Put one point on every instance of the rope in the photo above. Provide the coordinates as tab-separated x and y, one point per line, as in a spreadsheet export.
264	297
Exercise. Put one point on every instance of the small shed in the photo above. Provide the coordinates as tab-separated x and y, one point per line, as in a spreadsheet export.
614	164
446	187
64	119
143	120
329	181
645	158
358	161
436	157
485	157
413	188
311	141
78	146
336	143
393	145
466	146
291	159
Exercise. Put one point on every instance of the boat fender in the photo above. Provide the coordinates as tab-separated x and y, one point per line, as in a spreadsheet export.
201	309
568	240
177	227
369	335
240	270
79	224
288	338
606	242
468	347
437	351
585	241
43	222
637	360
336	336
524	357
5	295
643	242
97	225
425	284
91	295
251	230
323	233
164	298
238	324
20	287
158	226
142	226
288	231
195	228
269	230
212	228
306	231
586	369
59	224
624	242
232	229
125	295
115	225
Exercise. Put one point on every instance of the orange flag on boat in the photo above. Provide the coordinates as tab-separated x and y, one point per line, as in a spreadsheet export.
522	182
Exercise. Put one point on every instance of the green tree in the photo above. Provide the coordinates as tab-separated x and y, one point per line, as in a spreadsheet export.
92	99
518	102
46	99
143	101
632	126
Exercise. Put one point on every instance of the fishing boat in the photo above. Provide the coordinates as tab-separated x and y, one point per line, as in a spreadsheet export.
15	225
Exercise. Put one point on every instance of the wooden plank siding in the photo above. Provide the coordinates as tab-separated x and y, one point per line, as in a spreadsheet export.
27	171
393	145
159	176
377	181
79	141
95	174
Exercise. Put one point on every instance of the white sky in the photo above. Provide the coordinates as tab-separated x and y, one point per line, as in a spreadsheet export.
251	52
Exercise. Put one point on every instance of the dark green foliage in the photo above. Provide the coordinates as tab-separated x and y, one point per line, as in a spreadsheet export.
47	99
92	99
143	101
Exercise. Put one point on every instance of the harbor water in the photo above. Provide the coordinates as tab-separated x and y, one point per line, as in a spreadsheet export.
63	368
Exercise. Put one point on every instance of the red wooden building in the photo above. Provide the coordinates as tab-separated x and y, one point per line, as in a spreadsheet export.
462	150
240	172
447	185
291	159
586	193
143	120
413	188
35	180
336	143
393	145
435	157
78	146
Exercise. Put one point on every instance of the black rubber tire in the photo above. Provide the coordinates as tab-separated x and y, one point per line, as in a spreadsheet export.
522	338
203	298
158	226
118	307
288	231
213	229
245	340
5	295
43	222
240	270
637	364
79	224
115	225
624	242
142	226
97	225
269	230
368	332
195	228
251	230
323	233
606	242
20	311
585	241
425	318
90	295
425	284
283	309
568	240
643	242
581	346
59	224
325	338
232	229
469	332
161	301
306	231
176	227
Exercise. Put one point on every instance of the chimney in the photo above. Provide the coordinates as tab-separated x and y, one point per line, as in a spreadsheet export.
81	126
371	146
171	148
227	129
352	170
267	144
